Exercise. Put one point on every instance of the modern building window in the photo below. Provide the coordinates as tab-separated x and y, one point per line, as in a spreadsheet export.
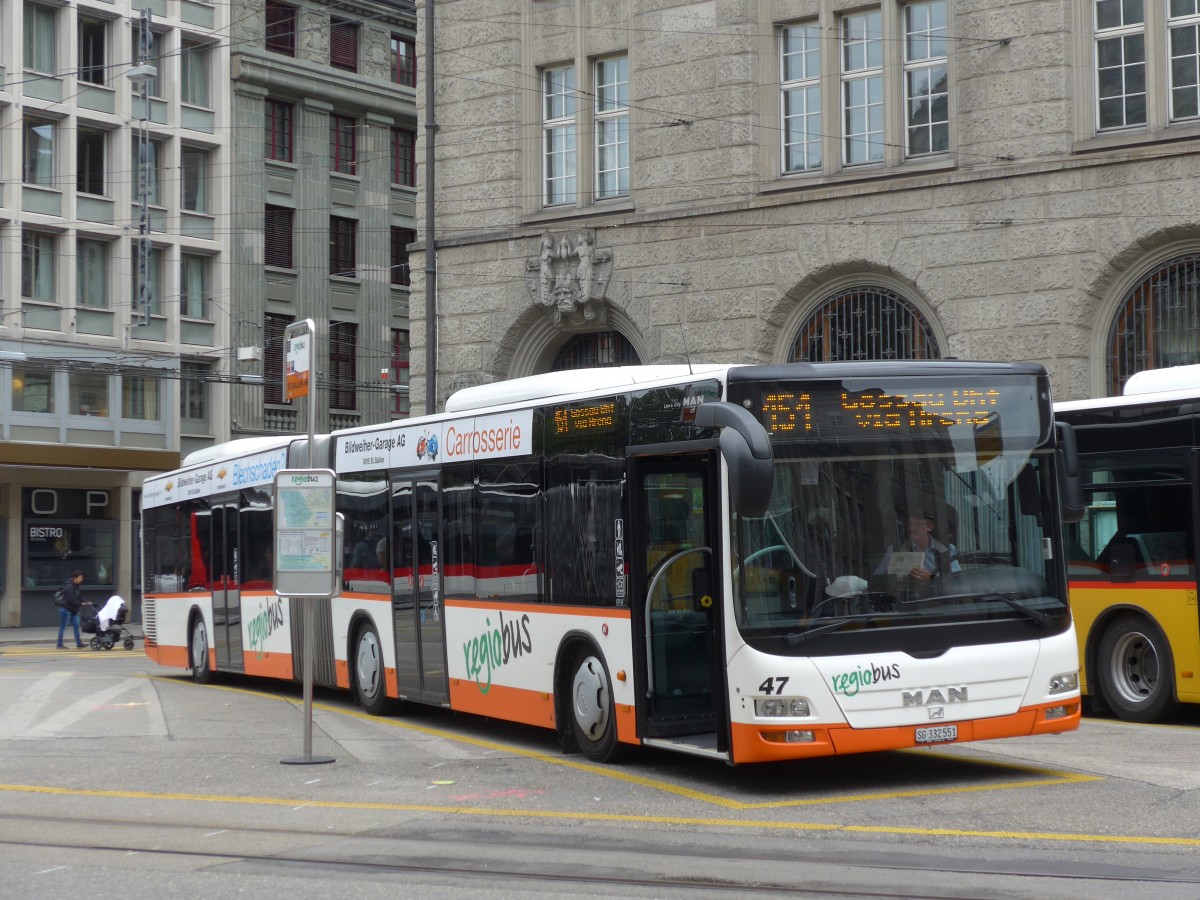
89	160
404	61
343	244
93	50
343	44
41	38
343	371
274	355
91	273
156	56
801	96
194	59
558	131
404	157
37	267
926	78
152	272
33	389
399	379
612	127
194	396
598	349
864	323
38	155
194	181
1158	322
280	20
401	238
194	285
277	236
150	169
87	394
278	130
140	398
342	149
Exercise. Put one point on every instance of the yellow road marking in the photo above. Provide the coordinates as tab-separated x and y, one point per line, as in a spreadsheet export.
1044	777
1143	840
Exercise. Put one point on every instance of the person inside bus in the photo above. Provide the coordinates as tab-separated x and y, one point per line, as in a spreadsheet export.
936	559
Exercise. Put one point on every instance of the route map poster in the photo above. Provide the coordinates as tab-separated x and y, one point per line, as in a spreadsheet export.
304	532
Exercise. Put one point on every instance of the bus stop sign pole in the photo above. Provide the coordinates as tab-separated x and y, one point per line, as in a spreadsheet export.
306	561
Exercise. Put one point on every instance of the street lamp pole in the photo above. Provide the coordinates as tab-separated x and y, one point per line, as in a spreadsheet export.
142	74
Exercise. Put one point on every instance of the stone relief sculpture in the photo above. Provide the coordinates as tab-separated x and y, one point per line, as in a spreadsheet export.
570	277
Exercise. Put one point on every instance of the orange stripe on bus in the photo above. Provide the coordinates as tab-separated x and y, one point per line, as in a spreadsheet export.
268	665
553	609
514	704
750	745
176	657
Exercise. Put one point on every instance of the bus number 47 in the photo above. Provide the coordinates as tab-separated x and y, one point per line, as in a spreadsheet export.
774	685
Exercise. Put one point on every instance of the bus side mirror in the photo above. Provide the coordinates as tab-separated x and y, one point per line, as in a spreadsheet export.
746	448
1070	477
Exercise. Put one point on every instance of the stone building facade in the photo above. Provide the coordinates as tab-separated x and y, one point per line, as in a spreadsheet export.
324	128
767	180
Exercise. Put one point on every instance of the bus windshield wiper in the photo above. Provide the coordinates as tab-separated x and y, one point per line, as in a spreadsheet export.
1024	608
799	637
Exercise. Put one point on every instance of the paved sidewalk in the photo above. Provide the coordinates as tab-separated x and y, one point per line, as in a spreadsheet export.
49	635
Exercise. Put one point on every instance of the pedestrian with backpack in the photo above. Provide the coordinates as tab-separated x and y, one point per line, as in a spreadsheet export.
70	601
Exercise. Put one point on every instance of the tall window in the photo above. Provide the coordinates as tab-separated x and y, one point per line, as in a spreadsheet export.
1158	322
40	38
194	65
140	398
278	130
152	168
926	78
558	128
280	20
342	153
343	243
401	238
801	64
404	61
195	180
37	266
343	45
194	290
93	50
400	348
274	356
404	157
612	127
91	273
155	55
153	276
343	373
1120	63
89	160
38	155
1184	40
277	237
862	87
193	396
864	323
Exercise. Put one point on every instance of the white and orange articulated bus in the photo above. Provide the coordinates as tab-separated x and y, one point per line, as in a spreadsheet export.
746	563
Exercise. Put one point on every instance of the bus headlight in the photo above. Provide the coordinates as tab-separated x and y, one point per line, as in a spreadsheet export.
1067	681
781	707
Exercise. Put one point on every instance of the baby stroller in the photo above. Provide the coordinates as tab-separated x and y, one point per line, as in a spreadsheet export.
107	625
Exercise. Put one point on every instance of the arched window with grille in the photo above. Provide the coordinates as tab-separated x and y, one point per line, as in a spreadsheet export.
602	348
864	323
1158	322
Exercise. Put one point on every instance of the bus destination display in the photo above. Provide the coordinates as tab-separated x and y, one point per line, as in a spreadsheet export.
796	410
600	416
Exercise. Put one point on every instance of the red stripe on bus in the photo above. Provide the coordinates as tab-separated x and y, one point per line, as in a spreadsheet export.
1131	585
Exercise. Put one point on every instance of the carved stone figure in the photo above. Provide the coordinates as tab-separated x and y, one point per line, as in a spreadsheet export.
570	277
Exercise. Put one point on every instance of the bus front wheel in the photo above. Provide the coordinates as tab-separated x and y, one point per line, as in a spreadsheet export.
593	716
369	676
1135	670
201	670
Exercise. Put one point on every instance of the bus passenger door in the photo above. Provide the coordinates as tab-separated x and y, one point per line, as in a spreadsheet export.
224	578
416	591
680	599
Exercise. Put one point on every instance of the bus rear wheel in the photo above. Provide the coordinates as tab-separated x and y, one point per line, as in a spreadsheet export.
593	716
201	669
370	683
1135	670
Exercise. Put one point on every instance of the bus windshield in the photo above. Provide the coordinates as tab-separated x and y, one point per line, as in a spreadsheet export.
900	504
